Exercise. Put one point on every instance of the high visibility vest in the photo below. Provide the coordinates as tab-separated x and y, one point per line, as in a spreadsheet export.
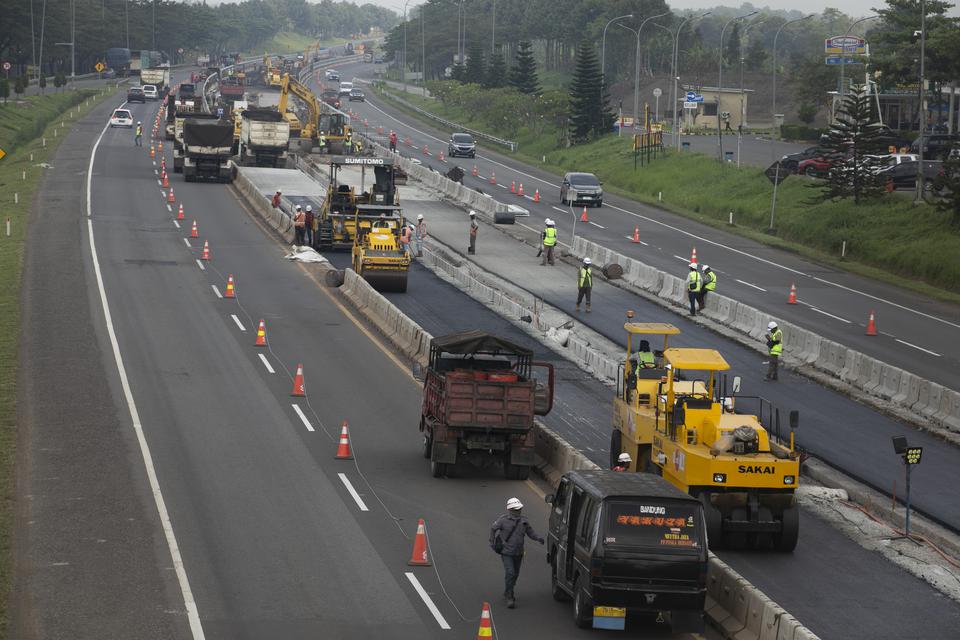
645	360
549	236
299	220
711	283
586	278
405	235
776	339
694	281
139	130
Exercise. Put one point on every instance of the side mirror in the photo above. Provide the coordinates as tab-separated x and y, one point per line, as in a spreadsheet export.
736	384
549	498
794	419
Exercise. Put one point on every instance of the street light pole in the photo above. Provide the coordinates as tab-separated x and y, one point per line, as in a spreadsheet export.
403	67
603	48
743	112
720	79
775	37
923	128
493	29
676	69
423	49
843	53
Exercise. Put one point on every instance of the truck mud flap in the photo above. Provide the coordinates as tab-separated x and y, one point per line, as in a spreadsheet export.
522	456
444	452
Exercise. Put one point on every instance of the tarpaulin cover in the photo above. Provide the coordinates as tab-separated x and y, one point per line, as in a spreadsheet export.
208	133
469	342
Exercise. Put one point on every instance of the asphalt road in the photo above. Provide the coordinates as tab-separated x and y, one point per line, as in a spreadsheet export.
916	333
754	150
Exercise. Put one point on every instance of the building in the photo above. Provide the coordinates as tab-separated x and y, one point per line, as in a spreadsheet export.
703	115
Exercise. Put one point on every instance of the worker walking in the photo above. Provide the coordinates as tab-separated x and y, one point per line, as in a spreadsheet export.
623	462
709	284
694	286
393	141
474	227
138	140
308	225
299	224
774	349
506	538
421	234
276	200
549	240
584	283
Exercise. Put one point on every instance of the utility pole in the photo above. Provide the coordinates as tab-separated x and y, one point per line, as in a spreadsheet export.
720	79
923	121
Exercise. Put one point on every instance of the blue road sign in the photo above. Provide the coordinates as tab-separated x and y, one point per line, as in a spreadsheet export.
841	60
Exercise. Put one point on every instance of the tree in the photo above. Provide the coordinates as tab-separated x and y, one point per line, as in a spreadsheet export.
523	75
459	72
475	71
590	114
731	48
20	85
756	54
853	148
59	79
4	89
496	71
42	82
948	184
807	113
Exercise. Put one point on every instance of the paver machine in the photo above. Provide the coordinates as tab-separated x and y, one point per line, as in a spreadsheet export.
703	440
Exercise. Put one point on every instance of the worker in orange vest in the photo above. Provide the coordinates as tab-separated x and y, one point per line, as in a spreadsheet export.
405	238
393	141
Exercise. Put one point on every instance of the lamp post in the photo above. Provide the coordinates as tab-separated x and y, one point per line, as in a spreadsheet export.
676	68
923	120
423	49
911	457
720	78
775	38
493	29
603	48
843	54
636	66
743	113
403	67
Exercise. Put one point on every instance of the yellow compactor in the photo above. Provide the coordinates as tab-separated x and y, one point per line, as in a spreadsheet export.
378	255
674	420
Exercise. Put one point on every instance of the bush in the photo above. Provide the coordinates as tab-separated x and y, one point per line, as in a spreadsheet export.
4	89
801	132
807	113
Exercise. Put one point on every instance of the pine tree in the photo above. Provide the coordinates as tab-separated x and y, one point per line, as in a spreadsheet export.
20	85
947	184
42	82
590	114
475	71
496	71
523	75
854	148
459	72
731	48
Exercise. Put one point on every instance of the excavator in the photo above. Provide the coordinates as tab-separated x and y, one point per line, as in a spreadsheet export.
675	417
320	118
271	74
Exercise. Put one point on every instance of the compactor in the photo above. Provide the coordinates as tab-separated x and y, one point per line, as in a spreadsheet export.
378	255
676	419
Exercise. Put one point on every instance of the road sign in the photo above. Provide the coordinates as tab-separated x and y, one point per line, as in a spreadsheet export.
842	60
99	67
6	66
844	44
657	92
776	173
691	105
180	50
2	153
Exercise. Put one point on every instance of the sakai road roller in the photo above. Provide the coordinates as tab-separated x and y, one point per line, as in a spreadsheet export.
672	417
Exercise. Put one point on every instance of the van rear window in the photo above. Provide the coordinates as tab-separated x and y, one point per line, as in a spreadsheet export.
652	525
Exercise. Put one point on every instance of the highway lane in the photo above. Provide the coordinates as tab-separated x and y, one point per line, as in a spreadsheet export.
917	333
272	540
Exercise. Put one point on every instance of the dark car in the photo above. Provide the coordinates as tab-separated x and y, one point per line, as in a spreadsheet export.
623	543
462	144
331	97
791	161
904	175
135	94
584	188
936	146
357	95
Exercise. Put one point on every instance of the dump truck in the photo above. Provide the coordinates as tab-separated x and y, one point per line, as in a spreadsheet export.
207	150
480	397
688	428
264	136
158	77
179	118
379	257
231	89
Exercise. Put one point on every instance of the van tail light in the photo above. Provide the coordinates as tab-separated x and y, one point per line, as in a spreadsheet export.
596	568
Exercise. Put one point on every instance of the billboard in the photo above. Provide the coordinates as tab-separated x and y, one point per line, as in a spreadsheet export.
848	45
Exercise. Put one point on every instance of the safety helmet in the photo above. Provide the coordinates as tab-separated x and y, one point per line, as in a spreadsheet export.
549	222
138	122
473	213
514	504
693	265
624	457
299	207
309	208
704	267
587	261
771	325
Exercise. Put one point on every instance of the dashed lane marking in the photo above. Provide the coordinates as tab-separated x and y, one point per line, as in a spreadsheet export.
266	363
743	282
200	264
909	344
427	600
237	321
216	291
186	241
595	224
303	418
353	492
830	315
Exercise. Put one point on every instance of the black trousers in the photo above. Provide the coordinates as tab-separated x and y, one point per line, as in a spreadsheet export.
694	296
584	292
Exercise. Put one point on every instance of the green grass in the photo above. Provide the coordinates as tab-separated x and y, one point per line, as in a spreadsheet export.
290	42
888	239
21	128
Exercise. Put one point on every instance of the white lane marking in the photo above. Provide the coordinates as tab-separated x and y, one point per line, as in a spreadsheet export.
630	238
186	241
303	419
216	291
200	264
502	186
556	208
159	183
681	258
481	177
237	321
427	600
353	492
266	363
770	263
933	353
163	194
830	315
176	224
595	224
193	615
155	171
751	285
169	208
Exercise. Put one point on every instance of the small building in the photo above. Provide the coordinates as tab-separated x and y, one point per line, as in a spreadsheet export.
703	115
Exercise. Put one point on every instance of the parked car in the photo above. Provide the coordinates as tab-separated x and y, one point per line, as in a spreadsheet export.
357	95
814	167
150	92
581	188
904	174
462	144
936	146
121	118
791	161
135	94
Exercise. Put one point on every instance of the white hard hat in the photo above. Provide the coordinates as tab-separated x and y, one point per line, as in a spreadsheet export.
771	325
624	457
587	261
472	213
299	207
549	222
420	217
309	208
693	265
514	504
704	267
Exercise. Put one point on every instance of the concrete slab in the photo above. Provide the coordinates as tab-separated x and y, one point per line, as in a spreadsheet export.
290	182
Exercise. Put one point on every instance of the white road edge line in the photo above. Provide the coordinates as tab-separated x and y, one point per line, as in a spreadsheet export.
216	291
193	615
303	419
200	264
751	285
831	315
236	320
427	600
266	363
353	492
933	353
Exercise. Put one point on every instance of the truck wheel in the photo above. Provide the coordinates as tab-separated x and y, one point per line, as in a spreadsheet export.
427	446
438	469
516	471
644	463
582	609
736	539
714	521
762	541
786	540
615	439
558	594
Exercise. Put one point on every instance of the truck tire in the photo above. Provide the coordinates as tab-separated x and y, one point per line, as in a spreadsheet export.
615	441
438	469
582	609
427	446
558	594
786	540
516	471
714	522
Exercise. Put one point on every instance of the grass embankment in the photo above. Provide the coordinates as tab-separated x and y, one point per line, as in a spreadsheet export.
888	239
290	42
23	124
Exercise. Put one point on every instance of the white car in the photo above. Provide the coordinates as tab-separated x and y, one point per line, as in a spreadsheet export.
121	118
150	92
345	88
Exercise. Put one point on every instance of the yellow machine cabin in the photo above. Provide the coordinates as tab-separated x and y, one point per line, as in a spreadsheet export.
702	443
319	123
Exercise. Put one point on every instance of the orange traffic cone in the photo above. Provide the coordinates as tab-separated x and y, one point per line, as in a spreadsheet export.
380	131
872	325
493	177
792	298
475	172
180	212
166	182
693	256
298	383
153	152
636	234
485	631
160	146
426	151
409	142
343	449
440	157
163	165
583	216
419	556
170	196
193	232
230	293
206	251
520	190
536	195
261	335
513	187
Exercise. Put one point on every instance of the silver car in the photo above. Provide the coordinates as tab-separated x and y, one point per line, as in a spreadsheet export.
581	188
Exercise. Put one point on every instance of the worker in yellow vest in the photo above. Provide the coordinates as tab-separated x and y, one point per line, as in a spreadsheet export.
584	283
774	349
709	284
549	240
694	286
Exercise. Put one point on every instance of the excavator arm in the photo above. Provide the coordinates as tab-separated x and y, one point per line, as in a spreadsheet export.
290	85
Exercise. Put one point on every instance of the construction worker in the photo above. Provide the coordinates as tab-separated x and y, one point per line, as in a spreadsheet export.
774	349
405	234
276	200
644	358
322	141
549	240
138	139
506	538
474	227
357	147
393	141
299	224
709	284
308	225
584	283
421	234
694	286
623	462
